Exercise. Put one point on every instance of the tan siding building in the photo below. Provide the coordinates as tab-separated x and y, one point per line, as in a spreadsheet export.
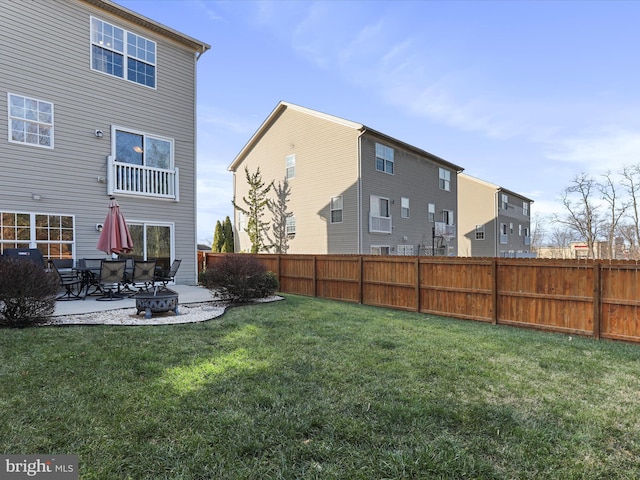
353	189
108	120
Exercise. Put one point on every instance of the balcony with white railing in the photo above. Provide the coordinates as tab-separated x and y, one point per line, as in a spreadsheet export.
379	224
133	179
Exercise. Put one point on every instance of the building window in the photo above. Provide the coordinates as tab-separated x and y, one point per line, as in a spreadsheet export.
152	241
432	212
336	209
445	179
290	227
30	121
503	234
53	235
405	250
505	202
242	221
404	207
379	249
384	158
525	209
379	216
447	217
511	228
138	148
519	230
291	165
479	232
123	54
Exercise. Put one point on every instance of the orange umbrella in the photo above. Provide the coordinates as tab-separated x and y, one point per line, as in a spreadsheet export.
115	236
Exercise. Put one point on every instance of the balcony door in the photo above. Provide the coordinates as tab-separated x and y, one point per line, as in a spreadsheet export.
152	241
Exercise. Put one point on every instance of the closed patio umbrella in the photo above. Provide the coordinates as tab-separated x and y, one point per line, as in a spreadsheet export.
115	237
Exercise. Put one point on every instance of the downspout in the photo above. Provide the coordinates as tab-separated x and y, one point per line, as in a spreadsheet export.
359	199
497	224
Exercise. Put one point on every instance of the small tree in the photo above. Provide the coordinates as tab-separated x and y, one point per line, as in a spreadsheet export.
227	230
218	238
279	210
256	202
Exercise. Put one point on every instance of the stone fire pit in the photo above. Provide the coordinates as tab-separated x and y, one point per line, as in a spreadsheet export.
156	301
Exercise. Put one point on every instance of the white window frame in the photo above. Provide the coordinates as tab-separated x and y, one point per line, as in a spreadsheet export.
448	217
145	225
404	207
133	48
35	238
379	223
525	209
380	250
385	159
519	230
505	201
480	232
406	250
431	212
147	139
444	176
290	228
290	166
504	238
336	205
38	123
511	228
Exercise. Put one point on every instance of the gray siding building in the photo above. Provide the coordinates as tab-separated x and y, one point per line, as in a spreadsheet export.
493	221
353	189
97	101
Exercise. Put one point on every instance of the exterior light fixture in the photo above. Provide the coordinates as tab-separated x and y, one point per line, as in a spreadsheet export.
99	227
99	133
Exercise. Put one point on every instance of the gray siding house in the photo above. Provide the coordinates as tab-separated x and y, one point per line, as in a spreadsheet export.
493	221
97	101
353	189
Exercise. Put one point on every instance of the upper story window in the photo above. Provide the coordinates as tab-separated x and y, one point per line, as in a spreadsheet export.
384	158
525	209
447	217
505	201
290	162
123	54
336	209
404	207
142	149
479	232
445	179
432	212
30	121
290	227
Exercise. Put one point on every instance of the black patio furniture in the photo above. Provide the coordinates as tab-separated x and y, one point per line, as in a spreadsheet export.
70	279
89	271
166	276
110	279
143	274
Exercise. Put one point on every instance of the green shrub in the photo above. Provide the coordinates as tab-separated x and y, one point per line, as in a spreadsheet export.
27	292
240	278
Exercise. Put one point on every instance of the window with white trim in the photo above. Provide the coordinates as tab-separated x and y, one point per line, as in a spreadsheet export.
379	249
504	238
384	158
53	235
405	250
30	121
431	208
404	207
479	232
511	228
505	201
525	209
445	179
336	209
242	221
118	52
379	215
447	217
290	162
139	148
519	230
290	228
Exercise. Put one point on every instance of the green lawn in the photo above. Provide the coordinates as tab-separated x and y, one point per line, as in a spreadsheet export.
306	388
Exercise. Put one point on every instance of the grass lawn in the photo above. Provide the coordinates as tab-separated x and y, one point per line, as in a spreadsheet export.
307	388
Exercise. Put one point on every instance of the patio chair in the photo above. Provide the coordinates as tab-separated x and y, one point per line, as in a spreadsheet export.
111	276
143	274
69	279
167	276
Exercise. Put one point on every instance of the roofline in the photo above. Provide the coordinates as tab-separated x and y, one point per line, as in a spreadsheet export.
282	106
152	25
497	187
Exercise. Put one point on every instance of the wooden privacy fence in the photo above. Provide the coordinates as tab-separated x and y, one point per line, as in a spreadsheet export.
594	298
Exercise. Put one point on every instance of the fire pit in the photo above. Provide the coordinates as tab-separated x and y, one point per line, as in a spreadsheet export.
156	301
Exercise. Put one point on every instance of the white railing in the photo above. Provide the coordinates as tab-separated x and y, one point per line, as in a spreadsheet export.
141	180
444	230
379	224
527	240
504	239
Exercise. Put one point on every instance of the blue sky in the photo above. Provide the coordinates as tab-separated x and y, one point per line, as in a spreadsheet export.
521	94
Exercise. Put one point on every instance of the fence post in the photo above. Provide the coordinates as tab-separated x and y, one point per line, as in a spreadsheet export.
315	277
494	289
360	275
417	284
597	293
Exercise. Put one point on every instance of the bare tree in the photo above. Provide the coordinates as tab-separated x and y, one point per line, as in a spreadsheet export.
631	181
616	210
582	214
538	231
280	212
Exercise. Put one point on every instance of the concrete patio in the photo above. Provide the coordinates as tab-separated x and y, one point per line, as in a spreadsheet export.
186	295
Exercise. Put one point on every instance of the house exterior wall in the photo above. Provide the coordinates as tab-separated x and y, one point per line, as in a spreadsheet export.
47	56
481	203
415	177
325	166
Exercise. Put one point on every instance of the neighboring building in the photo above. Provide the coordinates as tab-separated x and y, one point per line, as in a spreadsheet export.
99	101
493	221
353	189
